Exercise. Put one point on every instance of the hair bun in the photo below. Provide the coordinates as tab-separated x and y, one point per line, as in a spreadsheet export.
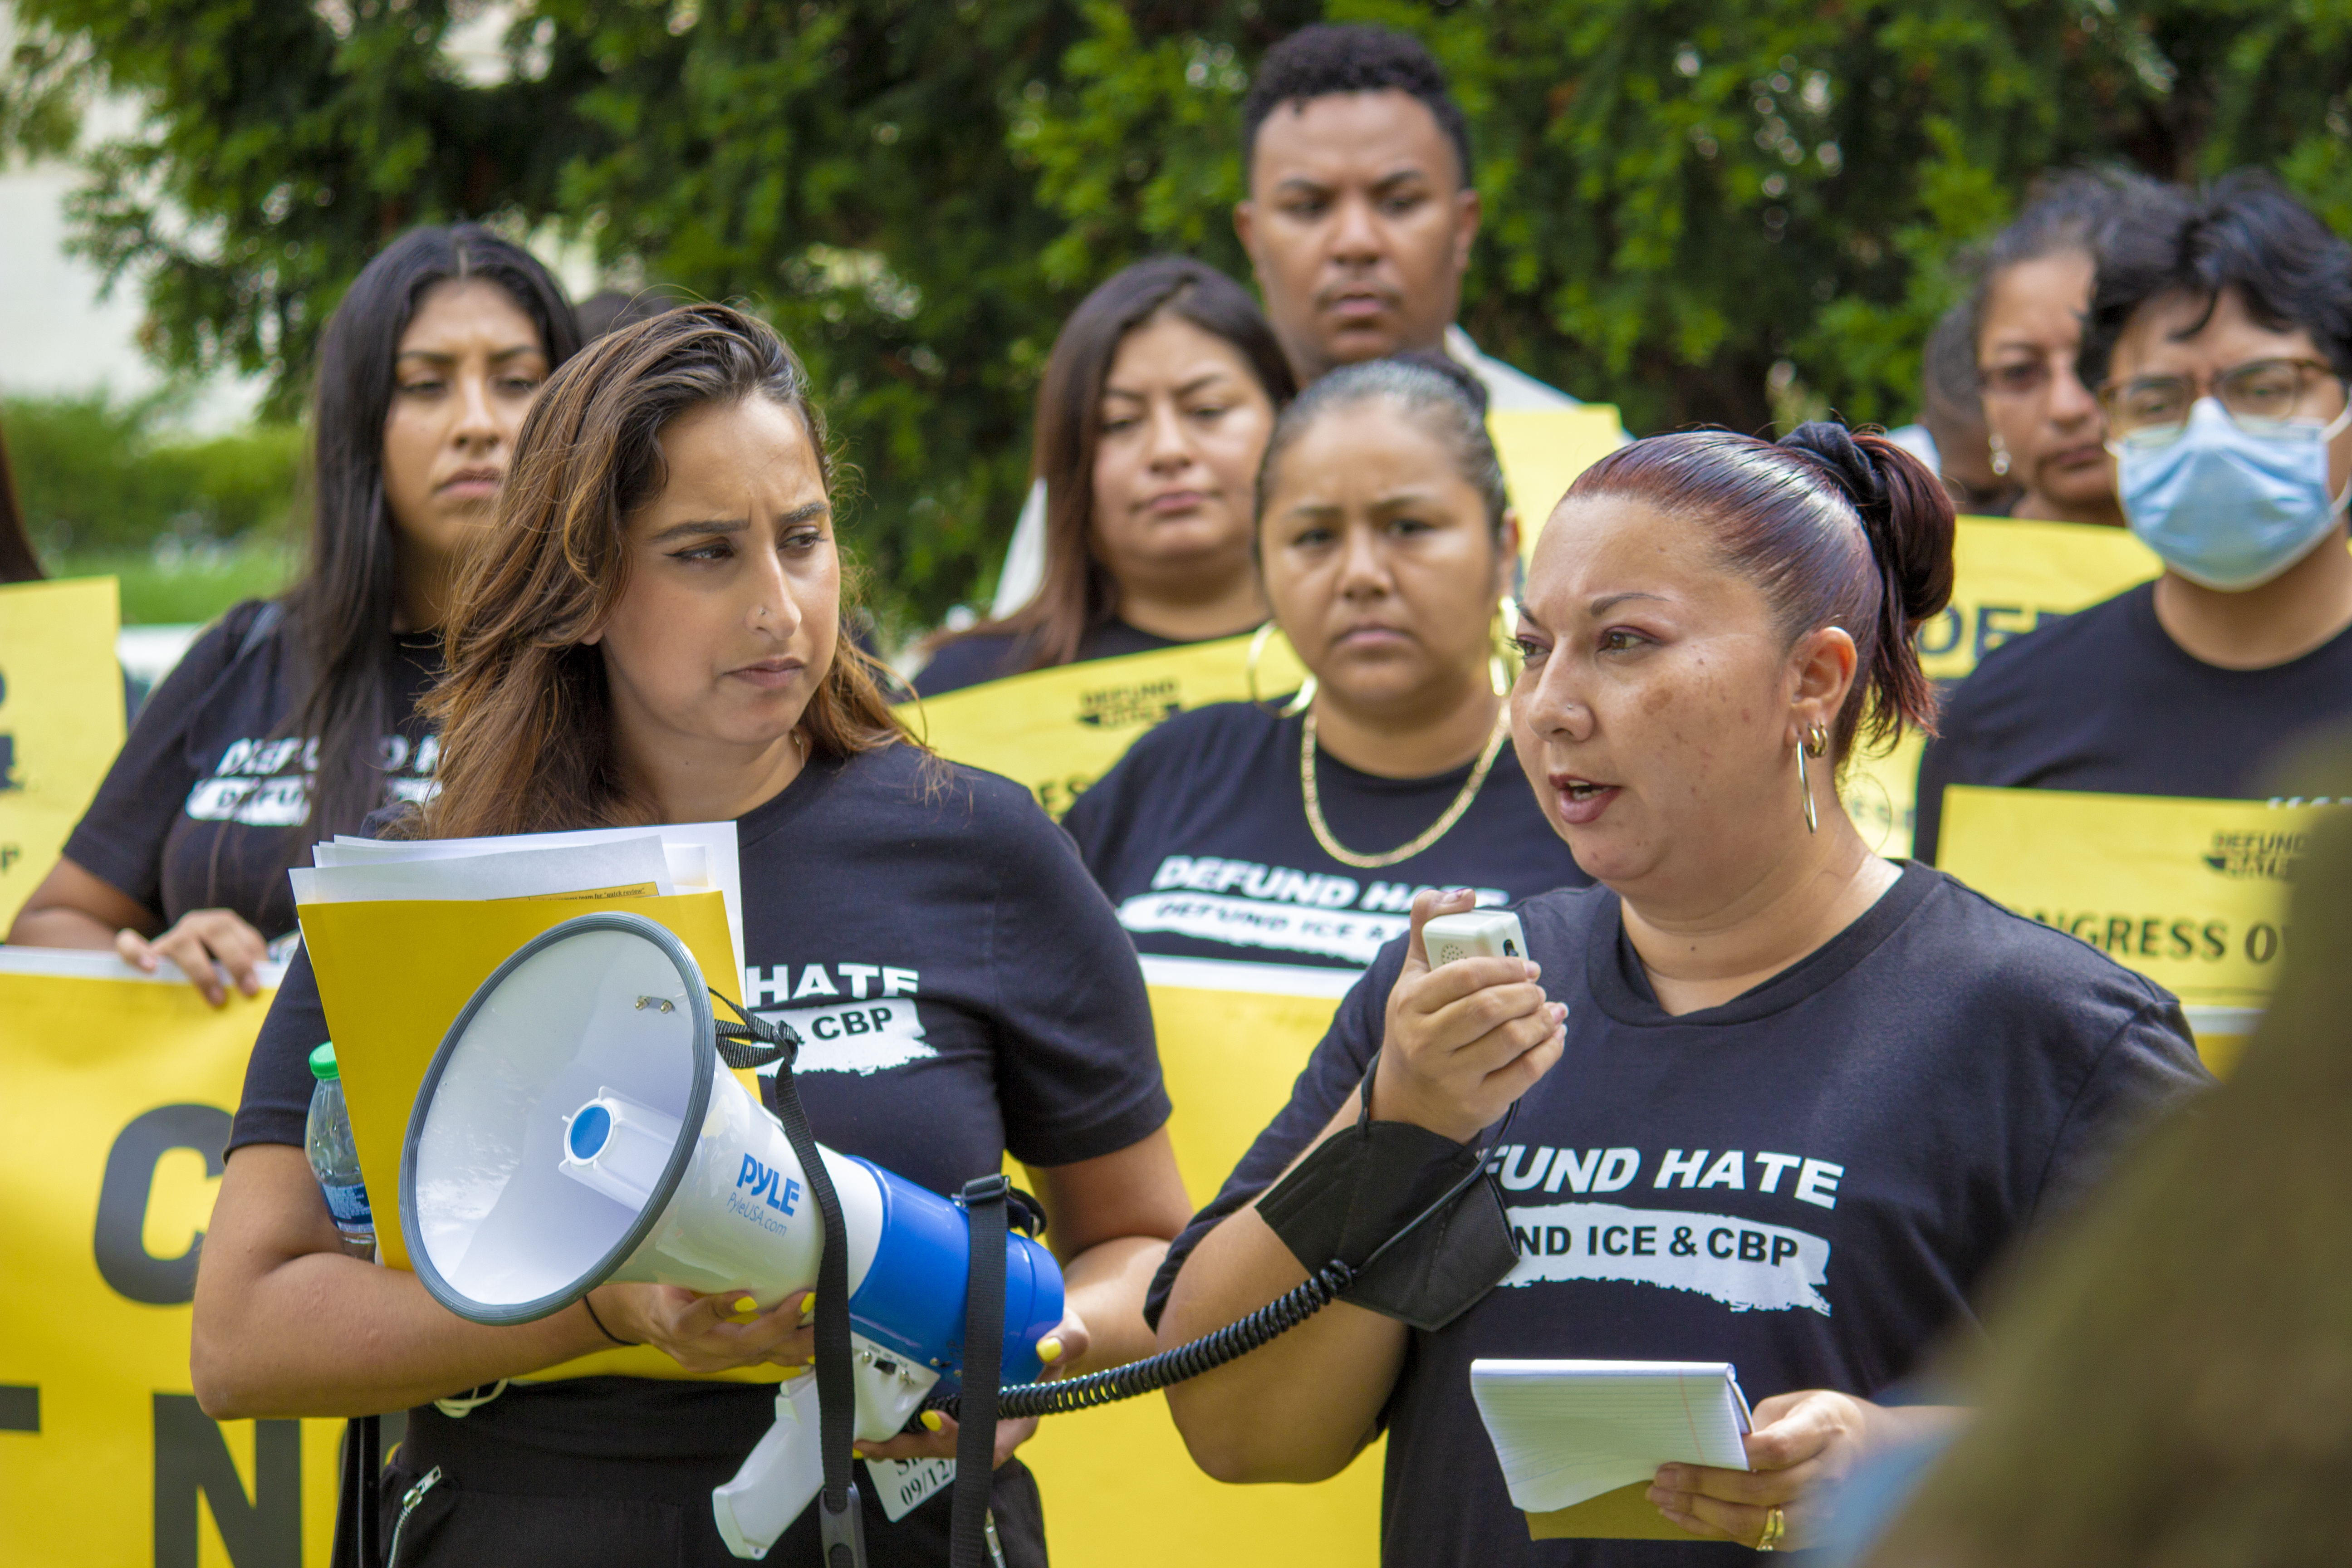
1834	446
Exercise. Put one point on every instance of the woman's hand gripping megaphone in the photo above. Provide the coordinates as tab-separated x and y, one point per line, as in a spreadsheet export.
707	1333
1465	1039
935	1438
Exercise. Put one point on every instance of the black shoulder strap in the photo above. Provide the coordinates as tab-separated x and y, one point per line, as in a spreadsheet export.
983	1199
840	1519
358	1527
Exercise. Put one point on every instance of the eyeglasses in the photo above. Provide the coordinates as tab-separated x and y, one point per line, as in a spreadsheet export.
2153	410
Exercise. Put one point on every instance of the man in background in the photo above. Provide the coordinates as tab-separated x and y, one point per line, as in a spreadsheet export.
1359	219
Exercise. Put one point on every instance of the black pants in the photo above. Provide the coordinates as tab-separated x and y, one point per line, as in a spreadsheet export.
559	1473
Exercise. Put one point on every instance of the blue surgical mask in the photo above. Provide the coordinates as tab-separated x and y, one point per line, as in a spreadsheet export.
2225	507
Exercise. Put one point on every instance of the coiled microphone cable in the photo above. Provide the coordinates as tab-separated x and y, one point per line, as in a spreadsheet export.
1059	1396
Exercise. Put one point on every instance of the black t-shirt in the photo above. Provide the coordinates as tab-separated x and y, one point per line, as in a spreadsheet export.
1809	1182
2105	702
993	655
208	804
1200	837
963	990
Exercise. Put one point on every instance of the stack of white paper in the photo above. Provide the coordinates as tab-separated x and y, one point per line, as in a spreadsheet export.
676	857
1566	1431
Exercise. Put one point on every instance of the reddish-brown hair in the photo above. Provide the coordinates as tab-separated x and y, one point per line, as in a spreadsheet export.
1837	529
524	712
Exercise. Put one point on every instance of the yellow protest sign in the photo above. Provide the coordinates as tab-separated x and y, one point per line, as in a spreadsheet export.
1542	450
2191	893
395	975
1119	1485
1058	730
116	1092
2008	578
60	721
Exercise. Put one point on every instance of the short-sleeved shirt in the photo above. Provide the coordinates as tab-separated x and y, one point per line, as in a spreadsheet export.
1200	835
963	990
209	802
993	655
1810	1181
2106	701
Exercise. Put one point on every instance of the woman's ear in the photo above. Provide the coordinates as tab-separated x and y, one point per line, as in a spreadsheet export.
1507	550
1824	663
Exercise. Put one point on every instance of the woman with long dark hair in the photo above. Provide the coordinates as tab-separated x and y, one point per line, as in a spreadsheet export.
1155	407
651	633
292	719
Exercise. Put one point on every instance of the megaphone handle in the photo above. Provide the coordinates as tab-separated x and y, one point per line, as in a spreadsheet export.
983	1366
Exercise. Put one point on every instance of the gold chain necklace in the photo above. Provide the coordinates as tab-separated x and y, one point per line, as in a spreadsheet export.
1429	835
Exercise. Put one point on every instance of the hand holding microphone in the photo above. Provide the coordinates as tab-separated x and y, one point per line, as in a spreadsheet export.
1465	1039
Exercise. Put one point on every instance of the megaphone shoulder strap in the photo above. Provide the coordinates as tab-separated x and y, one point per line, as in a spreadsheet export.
984	1200
841	1519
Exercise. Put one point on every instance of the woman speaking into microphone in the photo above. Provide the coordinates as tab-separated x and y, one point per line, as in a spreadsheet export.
651	634
1751	1027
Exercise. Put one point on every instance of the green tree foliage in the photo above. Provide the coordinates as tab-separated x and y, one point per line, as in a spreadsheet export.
98	476
1681	195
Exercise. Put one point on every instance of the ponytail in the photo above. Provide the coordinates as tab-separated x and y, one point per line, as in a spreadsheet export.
1907	516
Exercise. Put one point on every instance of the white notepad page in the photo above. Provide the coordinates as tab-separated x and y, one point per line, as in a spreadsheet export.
1566	1431
695	856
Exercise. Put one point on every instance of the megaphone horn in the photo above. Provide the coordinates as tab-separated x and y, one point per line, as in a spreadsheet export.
577	1126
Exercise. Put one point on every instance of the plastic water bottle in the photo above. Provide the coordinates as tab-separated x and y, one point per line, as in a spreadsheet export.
334	1159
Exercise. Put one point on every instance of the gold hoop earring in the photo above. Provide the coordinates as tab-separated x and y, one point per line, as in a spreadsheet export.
1297	704
1816	742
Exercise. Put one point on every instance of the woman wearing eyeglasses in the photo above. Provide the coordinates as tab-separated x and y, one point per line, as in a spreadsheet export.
2220	337
2047	430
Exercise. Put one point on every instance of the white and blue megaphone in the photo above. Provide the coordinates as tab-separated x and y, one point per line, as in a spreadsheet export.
577	1126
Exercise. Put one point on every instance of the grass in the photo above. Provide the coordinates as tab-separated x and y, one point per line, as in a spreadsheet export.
173	586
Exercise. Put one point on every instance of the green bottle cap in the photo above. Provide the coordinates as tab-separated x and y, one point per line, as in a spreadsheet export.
323	1061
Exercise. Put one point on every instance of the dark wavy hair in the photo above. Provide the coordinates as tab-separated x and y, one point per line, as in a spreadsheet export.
1078	593
2243	233
340	613
525	713
1838	528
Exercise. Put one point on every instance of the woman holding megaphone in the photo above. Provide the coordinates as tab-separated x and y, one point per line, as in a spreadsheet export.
652	635
1780	1102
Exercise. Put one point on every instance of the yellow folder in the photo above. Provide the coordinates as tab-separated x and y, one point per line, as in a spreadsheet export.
395	975
1625	1514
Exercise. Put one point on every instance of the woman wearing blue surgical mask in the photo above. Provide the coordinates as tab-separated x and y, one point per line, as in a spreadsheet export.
2219	338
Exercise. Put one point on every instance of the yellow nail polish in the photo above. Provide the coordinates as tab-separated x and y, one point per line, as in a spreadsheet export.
1049	1351
932	1422
808	1304
746	1304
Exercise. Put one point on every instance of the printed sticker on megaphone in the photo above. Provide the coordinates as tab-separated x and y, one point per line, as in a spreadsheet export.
577	1126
